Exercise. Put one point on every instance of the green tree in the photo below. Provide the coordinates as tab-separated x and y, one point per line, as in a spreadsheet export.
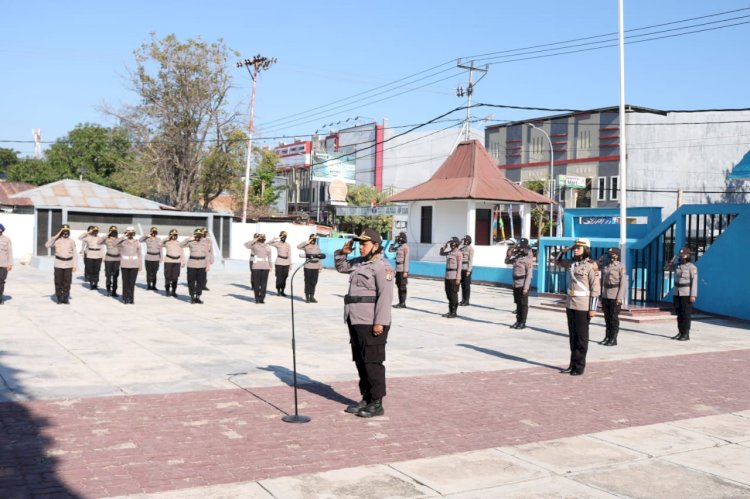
223	165
8	157
92	152
35	171
364	195
182	89
262	192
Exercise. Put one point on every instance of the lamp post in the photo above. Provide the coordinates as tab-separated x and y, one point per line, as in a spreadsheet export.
551	174
254	66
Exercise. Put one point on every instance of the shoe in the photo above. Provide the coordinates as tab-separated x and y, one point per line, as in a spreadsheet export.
677	336
206	289
374	408
461	303
446	314
452	315
281	293
612	342
568	369
604	341
355	408
684	337
398	305
307	298
515	325
312	299
192	299
198	300
521	325
576	373
114	294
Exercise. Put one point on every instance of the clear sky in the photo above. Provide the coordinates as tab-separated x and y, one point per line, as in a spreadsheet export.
63	59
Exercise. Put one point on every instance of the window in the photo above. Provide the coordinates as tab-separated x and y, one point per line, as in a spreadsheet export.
425	226
614	188
601	192
584	140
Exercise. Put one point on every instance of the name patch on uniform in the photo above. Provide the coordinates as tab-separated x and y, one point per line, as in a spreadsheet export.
388	275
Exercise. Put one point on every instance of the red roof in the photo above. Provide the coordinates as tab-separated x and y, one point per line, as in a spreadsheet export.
9	188
470	173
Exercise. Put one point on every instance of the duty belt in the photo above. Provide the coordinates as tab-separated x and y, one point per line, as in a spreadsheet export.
612	285
112	254
197	257
152	253
64	259
359	299
93	249
173	257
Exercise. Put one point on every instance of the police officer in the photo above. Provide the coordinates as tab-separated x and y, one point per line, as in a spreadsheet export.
283	261
582	300
111	260
206	241
252	258
685	290
6	260
153	256
467	254
367	313
402	267
92	252
522	259
614	286
313	267
174	258
66	262
130	263
198	264
453	260
261	256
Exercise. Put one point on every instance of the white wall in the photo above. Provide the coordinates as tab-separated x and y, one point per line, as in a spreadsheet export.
20	229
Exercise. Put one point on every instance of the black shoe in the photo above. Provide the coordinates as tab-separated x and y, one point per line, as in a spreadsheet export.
677	336
281	293
452	315
198	300
206	289
192	299
461	303
312	299
307	298
568	369
521	325
604	341
374	408
576	373
446	314
114	294
515	325
684	337
355	408
398	305
612	342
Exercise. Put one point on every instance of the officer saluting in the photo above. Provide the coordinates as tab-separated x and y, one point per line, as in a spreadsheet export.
198	264
402	267
467	259
522	259
66	262
614	286
313	267
174	258
93	252
6	260
283	261
111	260
261	259
685	290
367	312
153	256
453	259
130	255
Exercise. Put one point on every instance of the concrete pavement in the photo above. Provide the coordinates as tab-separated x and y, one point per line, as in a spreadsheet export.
170	399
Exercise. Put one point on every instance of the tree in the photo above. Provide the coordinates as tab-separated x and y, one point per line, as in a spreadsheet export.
35	171
364	195
262	192
91	152
182	88
223	165
8	157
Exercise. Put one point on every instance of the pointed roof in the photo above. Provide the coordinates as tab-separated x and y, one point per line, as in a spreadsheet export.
470	173
83	194
7	189
741	170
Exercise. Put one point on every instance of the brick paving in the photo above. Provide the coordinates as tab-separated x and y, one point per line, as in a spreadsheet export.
122	445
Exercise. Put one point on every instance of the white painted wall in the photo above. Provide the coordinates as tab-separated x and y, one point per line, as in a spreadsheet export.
20	229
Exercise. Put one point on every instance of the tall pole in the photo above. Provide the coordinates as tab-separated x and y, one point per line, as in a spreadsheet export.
254	66
469	92
551	174
622	184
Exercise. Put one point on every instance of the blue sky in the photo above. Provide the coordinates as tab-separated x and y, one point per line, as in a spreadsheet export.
64	60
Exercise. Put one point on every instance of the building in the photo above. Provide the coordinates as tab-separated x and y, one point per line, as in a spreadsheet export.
674	157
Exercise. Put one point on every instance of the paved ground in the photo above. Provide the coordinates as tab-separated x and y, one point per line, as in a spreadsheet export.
167	399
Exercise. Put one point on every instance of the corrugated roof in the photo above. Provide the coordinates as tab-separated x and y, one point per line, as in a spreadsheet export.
83	194
7	189
470	173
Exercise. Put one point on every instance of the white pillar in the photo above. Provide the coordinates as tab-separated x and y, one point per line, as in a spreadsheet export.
526	222
471	219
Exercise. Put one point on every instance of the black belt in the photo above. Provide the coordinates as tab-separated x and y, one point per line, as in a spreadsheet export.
359	299
197	257
112	254
612	285
93	249
64	259
150	253
174	257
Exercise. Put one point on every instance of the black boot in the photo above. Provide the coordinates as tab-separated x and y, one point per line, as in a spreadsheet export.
109	290
677	336
59	299
685	336
612	339
312	299
521	325
355	408
374	408
307	298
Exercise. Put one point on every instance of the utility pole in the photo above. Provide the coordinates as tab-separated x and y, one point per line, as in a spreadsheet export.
254	66
469	91
623	180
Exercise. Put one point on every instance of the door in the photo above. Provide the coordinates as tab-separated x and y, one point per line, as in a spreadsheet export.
482	227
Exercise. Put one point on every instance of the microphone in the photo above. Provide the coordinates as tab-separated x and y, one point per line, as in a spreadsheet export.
319	256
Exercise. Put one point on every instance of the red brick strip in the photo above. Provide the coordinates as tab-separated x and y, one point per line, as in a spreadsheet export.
124	445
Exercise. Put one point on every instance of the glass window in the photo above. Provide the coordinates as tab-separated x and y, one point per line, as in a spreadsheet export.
614	188
601	192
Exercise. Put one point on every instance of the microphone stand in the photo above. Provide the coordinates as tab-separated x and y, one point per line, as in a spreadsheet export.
295	418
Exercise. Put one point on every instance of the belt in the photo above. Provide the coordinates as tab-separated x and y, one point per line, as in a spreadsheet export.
64	259
197	257
683	285
359	299
127	257
260	259
612	285
454	268
283	256
92	249
579	293
112	254
174	257
152	253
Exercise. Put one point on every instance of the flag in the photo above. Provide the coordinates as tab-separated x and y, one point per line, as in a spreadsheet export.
559	231
510	215
494	224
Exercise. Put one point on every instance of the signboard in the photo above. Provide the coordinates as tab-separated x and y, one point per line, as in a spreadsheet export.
328	167
571	182
337	192
366	211
293	155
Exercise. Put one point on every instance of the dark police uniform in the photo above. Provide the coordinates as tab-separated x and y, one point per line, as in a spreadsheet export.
368	303
522	260
66	262
614	286
684	293
453	259
6	260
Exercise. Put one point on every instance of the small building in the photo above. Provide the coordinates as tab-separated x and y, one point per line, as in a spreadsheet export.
15	204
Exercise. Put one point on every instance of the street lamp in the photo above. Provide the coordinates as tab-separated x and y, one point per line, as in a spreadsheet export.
551	174
258	64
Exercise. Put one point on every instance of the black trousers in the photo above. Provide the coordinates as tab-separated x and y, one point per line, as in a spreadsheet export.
401	283
112	272
451	292
578	336
171	272
260	282
152	268
3	277
465	285
684	313
128	284
92	267
368	354
63	278
311	280
522	304
196	280
611	317
282	272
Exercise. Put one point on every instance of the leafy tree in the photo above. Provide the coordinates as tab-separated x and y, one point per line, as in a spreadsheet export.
223	166
182	89
92	152
8	157
364	195
262	192
36	171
